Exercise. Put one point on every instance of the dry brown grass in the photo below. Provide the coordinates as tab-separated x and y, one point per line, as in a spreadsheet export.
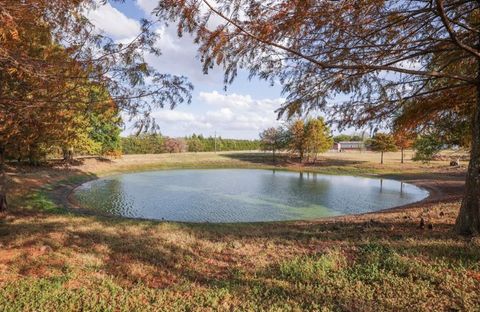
380	261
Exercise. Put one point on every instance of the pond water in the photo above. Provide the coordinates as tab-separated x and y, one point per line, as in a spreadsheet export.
241	195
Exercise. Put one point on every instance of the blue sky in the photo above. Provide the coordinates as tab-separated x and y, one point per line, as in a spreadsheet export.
246	108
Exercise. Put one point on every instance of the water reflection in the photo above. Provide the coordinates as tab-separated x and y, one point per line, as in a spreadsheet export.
235	195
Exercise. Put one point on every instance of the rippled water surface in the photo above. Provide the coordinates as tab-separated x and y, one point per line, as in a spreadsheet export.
241	195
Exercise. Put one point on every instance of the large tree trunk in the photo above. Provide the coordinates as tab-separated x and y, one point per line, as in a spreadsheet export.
3	181
382	159
468	220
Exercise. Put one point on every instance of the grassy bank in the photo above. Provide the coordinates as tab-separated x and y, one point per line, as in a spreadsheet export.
51	259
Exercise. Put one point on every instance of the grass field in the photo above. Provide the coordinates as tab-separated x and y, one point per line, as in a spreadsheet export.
52	259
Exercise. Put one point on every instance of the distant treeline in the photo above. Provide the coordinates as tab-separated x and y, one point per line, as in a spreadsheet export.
348	138
157	144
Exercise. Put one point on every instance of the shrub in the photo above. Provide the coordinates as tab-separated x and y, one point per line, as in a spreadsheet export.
426	147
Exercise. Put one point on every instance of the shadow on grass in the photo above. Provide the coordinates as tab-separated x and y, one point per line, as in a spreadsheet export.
43	188
260	158
283	159
165	253
56	163
203	258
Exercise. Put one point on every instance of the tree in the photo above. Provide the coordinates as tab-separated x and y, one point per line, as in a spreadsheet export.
152	143
296	134
378	53
195	144
426	147
155	144
50	57
347	137
175	145
317	137
342	138
383	143
273	139
90	127
106	131
403	141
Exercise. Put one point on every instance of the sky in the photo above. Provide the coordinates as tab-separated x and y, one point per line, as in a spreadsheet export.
242	111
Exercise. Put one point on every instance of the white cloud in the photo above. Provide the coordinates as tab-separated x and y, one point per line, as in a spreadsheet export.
179	57
239	112
242	102
113	22
222	115
228	116
179	54
173	116
147	6
179	123
233	100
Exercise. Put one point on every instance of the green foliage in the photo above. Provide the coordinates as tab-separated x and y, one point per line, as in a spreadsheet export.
307	269
105	130
143	144
383	142
157	144
426	147
375	262
347	138
199	143
195	144
296	134
309	138
317	137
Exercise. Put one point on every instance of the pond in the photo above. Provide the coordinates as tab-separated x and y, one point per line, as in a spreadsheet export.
241	195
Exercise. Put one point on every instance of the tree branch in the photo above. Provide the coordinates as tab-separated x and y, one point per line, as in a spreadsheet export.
326	65
451	32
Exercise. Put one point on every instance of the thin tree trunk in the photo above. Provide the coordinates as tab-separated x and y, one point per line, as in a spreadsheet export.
3	181
468	220
382	159
68	154
402	155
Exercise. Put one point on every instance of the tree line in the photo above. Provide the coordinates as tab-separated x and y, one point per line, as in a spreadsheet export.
157	144
307	139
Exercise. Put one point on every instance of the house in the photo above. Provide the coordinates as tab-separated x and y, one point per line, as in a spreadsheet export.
349	146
